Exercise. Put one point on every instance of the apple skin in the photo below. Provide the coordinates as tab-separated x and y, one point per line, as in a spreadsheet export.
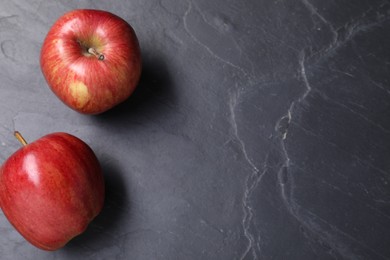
78	77
51	189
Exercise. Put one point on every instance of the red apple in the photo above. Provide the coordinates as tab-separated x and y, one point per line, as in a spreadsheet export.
91	60
51	189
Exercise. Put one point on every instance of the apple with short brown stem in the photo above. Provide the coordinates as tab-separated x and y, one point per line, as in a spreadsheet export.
51	189
91	60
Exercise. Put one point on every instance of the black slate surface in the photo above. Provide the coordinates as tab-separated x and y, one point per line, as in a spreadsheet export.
259	130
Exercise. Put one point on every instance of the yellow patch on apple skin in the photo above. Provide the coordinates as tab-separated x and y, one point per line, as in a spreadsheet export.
80	93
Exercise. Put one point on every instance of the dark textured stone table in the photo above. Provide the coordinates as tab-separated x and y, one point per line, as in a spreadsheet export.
259	130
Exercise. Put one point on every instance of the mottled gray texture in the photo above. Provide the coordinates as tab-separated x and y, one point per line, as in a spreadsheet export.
260	129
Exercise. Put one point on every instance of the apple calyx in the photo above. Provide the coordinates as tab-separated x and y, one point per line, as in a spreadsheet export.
97	54
20	138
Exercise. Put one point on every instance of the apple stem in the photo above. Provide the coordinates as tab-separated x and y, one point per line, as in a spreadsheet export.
97	54
20	138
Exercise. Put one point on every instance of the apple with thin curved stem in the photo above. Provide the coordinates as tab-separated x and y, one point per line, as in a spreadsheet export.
91	60
51	189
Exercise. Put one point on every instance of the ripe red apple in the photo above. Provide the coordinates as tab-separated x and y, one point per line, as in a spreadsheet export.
51	189
91	60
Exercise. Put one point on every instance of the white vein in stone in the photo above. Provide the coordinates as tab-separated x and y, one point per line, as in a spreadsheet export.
290	110
307	219
356	113
185	17
313	10
289	115
380	86
232	106
251	182
346	33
